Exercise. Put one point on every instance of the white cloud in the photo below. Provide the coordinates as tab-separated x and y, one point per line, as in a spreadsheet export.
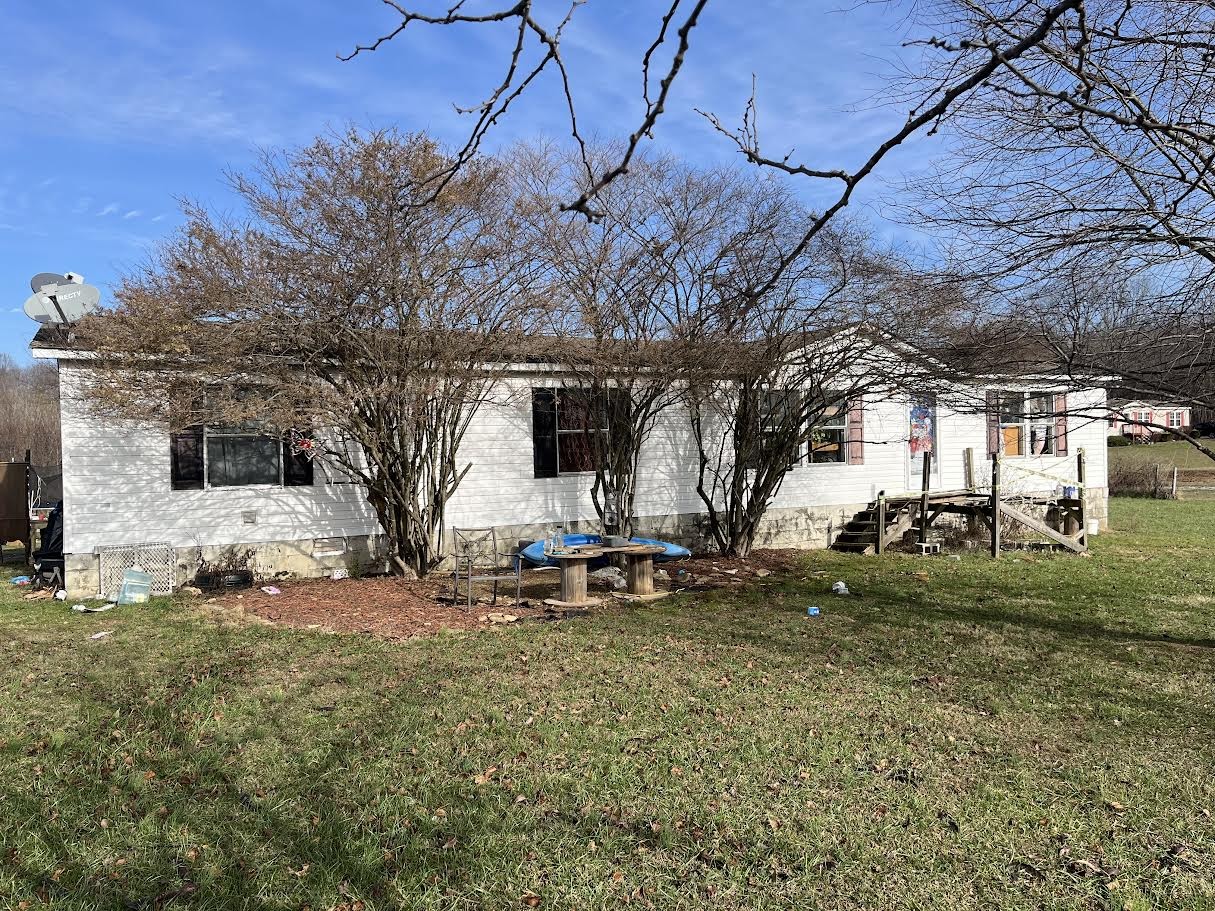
134	213
108	210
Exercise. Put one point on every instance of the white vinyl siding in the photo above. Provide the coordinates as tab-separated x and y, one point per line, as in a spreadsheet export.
117	485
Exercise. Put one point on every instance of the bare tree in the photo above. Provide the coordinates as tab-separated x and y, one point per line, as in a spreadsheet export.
1079	193
791	372
29	412
983	47
365	327
631	290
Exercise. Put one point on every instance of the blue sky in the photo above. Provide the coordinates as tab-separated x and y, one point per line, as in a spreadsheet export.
111	112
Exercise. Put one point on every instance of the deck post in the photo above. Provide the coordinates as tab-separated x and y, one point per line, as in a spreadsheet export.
924	496
881	522
995	504
1083	492
968	464
1173	490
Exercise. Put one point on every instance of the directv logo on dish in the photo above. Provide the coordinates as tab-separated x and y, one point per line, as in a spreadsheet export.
60	299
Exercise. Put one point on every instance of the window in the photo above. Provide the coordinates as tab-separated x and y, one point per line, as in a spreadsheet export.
572	427
1027	423
777	409
234	456
1175	419
582	428
829	434
1012	423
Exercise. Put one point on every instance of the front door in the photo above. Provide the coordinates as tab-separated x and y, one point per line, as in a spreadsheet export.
922	438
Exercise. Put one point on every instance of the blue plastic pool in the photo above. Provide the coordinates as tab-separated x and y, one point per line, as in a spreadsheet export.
534	552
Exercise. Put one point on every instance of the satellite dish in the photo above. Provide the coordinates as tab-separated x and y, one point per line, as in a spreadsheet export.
62	303
47	278
74	277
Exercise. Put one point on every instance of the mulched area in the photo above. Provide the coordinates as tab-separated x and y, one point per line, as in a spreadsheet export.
383	606
394	608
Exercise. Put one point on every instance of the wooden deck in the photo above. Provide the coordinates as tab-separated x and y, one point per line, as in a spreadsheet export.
889	518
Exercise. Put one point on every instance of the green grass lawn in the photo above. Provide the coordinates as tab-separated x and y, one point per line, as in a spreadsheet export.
1174	452
1033	733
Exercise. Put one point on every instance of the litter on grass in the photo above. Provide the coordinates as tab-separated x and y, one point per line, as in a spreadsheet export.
102	634
21	580
840	588
85	609
272	590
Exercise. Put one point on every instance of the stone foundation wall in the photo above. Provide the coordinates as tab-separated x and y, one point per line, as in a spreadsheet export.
804	527
308	558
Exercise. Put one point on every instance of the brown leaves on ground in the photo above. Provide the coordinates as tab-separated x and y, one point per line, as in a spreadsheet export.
396	608
388	607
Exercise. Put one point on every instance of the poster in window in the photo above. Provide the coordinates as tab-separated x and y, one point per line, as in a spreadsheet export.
923	425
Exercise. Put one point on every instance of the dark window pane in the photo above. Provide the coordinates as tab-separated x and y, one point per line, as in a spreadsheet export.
544	433
235	461
186	459
1041	439
827	446
1012	408
297	468
574	452
575	411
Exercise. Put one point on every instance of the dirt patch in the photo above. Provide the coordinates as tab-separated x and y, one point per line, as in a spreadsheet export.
387	607
394	608
708	572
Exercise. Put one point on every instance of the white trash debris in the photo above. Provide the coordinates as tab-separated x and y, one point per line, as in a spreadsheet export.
102	634
85	609
840	588
61	595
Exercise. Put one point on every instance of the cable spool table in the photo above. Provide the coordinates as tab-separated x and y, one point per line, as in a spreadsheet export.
639	558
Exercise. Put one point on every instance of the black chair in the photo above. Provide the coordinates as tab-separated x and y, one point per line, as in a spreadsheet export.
48	558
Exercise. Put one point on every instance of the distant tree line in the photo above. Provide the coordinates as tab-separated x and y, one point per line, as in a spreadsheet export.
29	412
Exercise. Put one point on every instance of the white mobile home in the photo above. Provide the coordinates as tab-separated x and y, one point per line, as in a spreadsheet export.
126	485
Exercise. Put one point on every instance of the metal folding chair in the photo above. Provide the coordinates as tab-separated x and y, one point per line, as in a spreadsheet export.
478	559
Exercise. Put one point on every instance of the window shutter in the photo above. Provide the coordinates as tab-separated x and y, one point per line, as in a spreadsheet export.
1061	424
993	422
856	432
186	459
544	432
297	468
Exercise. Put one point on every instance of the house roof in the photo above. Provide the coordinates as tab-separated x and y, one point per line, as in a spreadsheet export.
1132	404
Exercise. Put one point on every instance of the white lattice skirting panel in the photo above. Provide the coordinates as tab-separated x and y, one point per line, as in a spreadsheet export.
154	559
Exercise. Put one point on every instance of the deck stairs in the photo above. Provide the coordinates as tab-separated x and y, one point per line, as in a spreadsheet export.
860	534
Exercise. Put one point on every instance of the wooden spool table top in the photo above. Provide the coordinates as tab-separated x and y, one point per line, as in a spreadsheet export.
590	551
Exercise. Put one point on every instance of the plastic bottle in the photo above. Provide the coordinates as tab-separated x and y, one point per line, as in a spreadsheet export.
559	538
